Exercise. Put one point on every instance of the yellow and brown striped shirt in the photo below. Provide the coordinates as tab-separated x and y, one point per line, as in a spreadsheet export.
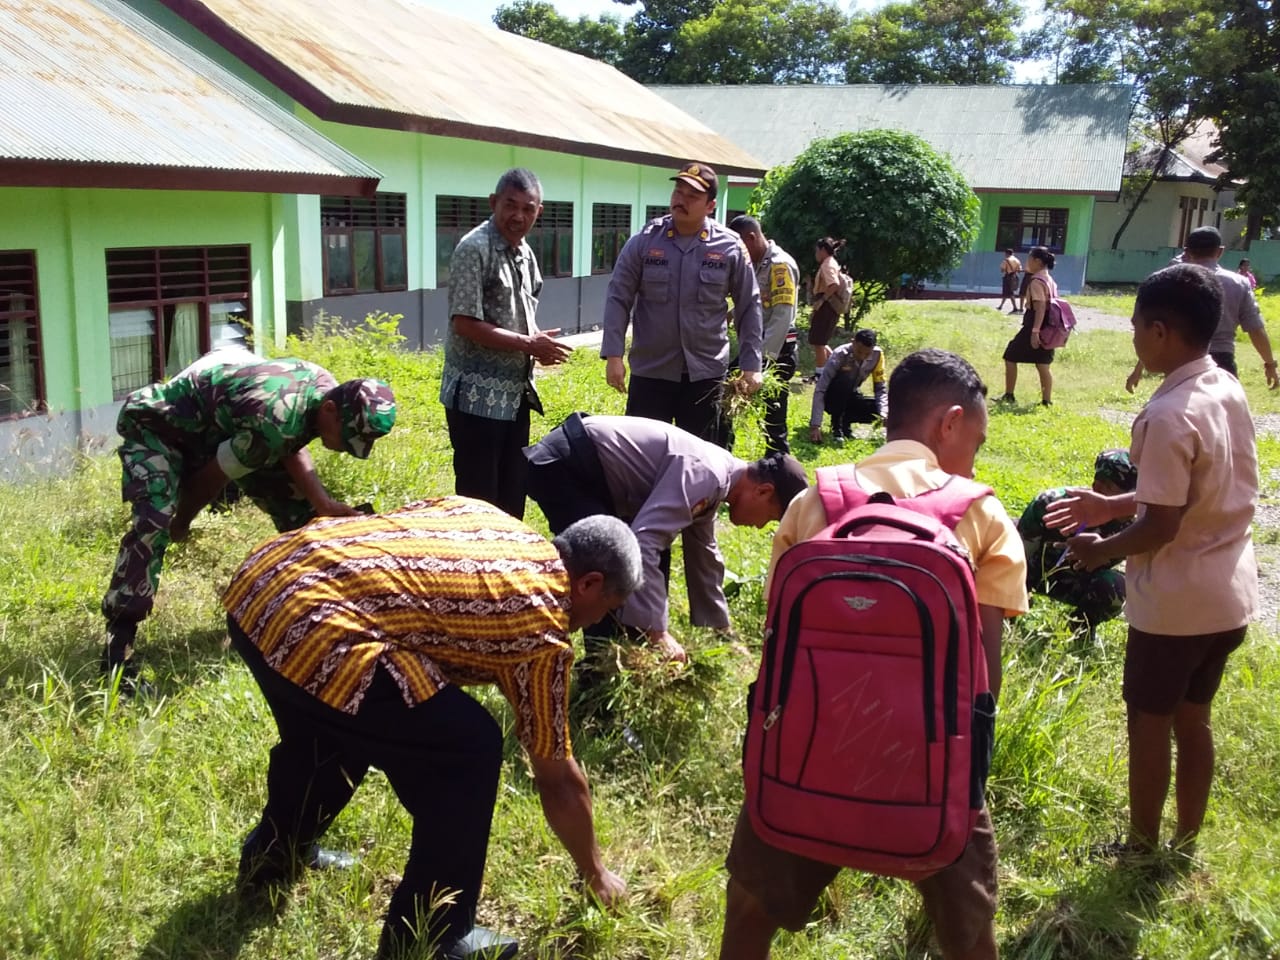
450	590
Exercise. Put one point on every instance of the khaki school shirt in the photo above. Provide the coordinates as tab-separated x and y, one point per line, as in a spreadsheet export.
1193	445
828	276
904	468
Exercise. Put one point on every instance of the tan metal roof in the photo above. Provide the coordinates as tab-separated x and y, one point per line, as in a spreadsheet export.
96	95
1043	138
403	65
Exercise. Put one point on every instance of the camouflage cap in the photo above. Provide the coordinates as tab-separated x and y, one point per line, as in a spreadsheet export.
1114	466
367	409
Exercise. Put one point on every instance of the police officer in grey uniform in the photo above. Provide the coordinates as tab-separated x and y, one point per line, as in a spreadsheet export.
778	277
665	483
677	274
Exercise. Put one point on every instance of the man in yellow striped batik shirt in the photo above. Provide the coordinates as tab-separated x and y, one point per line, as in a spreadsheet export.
361	633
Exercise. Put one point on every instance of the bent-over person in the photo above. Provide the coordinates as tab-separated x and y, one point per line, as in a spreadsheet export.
230	416
362	632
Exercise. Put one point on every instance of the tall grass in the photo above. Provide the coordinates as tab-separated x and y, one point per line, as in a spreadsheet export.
120	821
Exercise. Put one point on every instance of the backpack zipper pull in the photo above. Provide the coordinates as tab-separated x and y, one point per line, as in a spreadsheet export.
772	718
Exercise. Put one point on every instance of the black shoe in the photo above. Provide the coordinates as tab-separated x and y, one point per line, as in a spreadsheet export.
1006	398
118	661
1046	403
481	943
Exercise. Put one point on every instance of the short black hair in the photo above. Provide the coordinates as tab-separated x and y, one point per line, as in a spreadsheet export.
866	337
927	379
1204	240
784	471
744	224
1186	298
520	179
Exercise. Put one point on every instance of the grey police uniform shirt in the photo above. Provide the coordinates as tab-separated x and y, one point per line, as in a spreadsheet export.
778	277
1239	309
664	482
678	288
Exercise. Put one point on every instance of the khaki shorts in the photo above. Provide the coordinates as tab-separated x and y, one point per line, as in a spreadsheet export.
1161	672
960	900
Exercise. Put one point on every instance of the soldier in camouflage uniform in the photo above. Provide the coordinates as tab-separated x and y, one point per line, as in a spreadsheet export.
227	418
1096	595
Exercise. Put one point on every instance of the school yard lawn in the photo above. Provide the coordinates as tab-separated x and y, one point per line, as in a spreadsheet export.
120	822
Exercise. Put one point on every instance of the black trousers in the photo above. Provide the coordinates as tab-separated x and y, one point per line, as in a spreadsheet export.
442	758
568	488
775	405
488	458
847	405
692	405
1227	361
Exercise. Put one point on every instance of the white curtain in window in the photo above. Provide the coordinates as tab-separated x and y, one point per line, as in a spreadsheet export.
22	381
184	338
131	335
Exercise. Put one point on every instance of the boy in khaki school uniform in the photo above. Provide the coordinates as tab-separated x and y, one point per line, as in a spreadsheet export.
936	423
1191	578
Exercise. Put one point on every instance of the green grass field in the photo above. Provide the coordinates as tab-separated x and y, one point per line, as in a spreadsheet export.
120	822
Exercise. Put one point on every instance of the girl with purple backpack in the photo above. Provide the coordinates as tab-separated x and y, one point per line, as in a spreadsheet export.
1025	347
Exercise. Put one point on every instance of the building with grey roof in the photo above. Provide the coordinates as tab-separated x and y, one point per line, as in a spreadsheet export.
1038	157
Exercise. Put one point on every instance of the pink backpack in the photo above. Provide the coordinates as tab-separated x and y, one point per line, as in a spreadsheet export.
871	720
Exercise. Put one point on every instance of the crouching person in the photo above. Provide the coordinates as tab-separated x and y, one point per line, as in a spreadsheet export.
937	420
361	633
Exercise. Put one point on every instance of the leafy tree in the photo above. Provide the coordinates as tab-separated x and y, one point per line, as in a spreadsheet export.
759	41
1245	102
600	39
650	36
934	41
902	206
1168	49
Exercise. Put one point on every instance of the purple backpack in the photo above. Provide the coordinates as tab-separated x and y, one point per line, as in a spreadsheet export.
1059	321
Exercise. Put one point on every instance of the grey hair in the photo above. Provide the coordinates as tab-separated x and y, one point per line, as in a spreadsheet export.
605	545
519	179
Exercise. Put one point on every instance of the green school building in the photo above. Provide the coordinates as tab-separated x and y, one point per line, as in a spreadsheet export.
176	176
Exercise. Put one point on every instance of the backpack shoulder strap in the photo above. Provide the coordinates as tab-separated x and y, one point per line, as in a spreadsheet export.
949	502
840	490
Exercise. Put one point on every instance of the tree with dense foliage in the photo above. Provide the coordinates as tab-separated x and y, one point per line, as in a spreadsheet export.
1165	48
600	39
760	41
934	41
1245	103
903	208
649	55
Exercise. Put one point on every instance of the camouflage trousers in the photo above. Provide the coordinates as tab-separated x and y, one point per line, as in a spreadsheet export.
151	479
1098	595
